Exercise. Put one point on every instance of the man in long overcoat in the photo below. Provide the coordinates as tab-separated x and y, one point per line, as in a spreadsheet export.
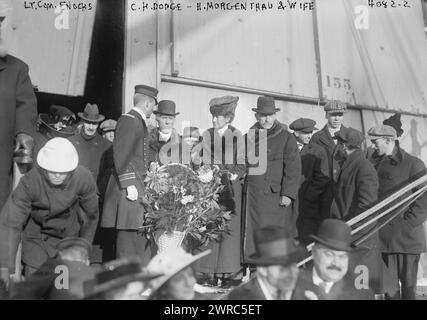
272	184
18	107
314	180
95	153
355	191
334	113
123	208
403	239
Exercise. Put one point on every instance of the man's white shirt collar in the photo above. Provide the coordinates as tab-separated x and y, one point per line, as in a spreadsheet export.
317	281
266	291
164	136
140	112
222	130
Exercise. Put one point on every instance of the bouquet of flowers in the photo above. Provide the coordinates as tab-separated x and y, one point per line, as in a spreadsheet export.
180	200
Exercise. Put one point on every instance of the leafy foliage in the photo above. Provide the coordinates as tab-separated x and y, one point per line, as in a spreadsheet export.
180	199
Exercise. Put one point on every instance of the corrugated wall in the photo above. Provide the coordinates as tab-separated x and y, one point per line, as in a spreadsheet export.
383	66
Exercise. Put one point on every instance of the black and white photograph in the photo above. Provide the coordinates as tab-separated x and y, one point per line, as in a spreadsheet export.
220	151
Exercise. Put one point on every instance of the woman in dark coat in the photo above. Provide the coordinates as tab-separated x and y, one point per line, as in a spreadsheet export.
228	155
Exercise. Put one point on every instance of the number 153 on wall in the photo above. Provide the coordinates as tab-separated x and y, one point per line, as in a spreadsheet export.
339	83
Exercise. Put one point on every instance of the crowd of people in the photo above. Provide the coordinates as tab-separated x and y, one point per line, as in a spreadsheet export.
79	202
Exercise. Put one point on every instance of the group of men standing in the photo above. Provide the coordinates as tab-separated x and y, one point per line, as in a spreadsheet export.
300	180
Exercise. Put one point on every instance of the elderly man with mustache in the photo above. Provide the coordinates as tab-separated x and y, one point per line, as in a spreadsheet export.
329	279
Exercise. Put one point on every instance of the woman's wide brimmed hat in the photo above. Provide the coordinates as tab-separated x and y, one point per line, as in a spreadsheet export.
118	273
274	246
59	122
170	262
58	155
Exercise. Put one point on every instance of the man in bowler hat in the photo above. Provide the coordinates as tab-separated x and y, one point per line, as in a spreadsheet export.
276	258
329	279
164	140
315	178
123	208
270	195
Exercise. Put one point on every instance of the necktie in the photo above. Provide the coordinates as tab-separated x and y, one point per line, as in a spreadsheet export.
322	285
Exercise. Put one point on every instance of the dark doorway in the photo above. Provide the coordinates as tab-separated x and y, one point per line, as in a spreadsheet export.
104	81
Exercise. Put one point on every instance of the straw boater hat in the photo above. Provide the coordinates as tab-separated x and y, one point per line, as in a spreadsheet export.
58	155
170	262
91	113
118	273
274	246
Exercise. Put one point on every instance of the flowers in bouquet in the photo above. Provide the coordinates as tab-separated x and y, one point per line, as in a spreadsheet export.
179	199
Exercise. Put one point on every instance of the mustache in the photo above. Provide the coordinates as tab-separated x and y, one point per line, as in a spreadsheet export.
334	267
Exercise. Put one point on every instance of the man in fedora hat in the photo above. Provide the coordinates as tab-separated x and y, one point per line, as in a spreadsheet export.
271	195
18	114
60	277
334	114
223	145
123	208
329	279
315	178
96	154
356	190
55	200
403	239
276	258
122	279
90	146
164	141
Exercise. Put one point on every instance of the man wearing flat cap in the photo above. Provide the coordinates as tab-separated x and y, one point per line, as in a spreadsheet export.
393	121
108	129
403	239
271	195
18	114
356	191
96	154
123	208
315	178
329	278
223	145
164	141
275	258
334	114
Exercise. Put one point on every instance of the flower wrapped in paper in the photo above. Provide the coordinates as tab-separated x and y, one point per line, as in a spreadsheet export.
182	203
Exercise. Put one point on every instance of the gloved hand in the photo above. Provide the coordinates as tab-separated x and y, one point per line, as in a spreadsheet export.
132	193
24	141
